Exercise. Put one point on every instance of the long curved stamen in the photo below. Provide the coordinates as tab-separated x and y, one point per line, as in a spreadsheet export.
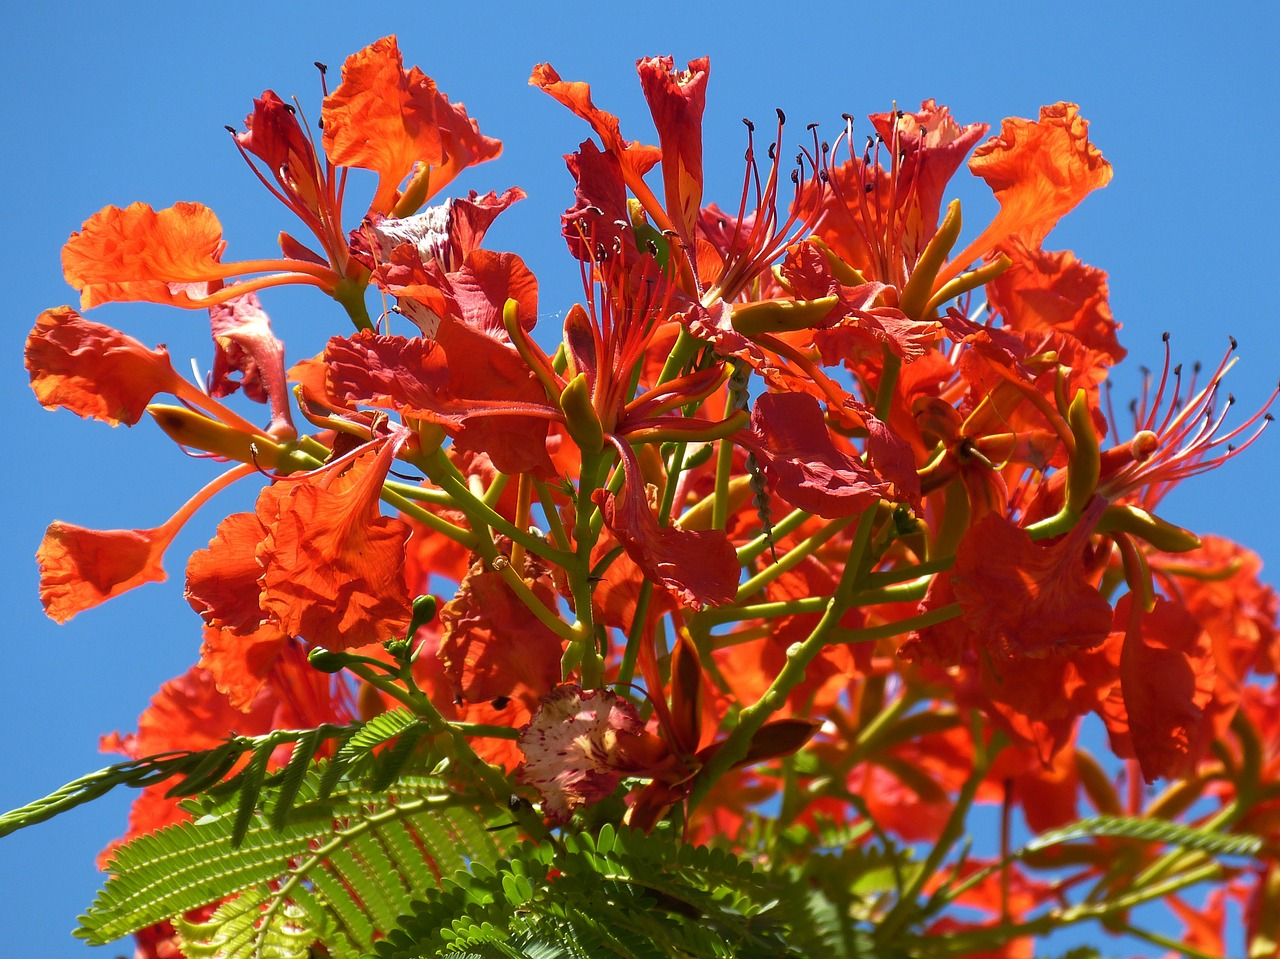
1184	437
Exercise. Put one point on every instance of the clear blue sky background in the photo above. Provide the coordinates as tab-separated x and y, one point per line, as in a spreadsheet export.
116	102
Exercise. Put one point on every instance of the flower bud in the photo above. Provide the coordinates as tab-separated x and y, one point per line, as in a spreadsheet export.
1163	535
780	316
1086	463
580	419
327	662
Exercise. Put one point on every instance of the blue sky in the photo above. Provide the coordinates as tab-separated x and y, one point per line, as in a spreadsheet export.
127	101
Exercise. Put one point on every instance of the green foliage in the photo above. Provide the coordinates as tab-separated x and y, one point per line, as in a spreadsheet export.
201	771
340	868
1149	830
621	894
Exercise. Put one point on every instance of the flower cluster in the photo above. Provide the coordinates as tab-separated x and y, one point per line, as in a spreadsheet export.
807	475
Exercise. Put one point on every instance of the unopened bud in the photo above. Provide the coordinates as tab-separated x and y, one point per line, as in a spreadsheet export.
780	316
1163	535
581	421
326	661
1086	463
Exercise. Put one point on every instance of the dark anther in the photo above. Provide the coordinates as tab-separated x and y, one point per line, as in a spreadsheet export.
847	117
459	701
813	126
782	117
1177	370
773	151
900	114
822	175
1165	336
1196	367
230	129
1231	398
292	111
750	126
320	66
1267	418
826	147
795	177
1234	344
869	188
320	123
500	702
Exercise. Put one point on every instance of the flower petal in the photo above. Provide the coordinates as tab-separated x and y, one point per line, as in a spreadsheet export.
82	568
136	253
579	745
333	566
93	370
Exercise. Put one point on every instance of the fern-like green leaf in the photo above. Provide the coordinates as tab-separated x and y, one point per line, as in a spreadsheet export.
1149	830
619	894
233	929
338	871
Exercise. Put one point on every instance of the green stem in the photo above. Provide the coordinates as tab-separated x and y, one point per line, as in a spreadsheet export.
1164	942
548	504
791	558
783	527
635	636
798	658
445	475
893	923
350	295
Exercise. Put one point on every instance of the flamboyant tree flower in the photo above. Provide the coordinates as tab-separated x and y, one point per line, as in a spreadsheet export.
879	221
381	118
316	559
82	568
1039	170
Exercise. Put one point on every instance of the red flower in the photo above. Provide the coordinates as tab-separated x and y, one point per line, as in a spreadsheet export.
1038	170
1024	599
332	565
490	646
81	568
676	102
1166	681
95	371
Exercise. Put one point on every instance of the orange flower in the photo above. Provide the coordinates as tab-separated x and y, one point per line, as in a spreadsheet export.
1023	598
381	117
1048	291
137	253
490	647
394	121
1038	170
332	565
93	370
82	568
1166	680
676	102
636	158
